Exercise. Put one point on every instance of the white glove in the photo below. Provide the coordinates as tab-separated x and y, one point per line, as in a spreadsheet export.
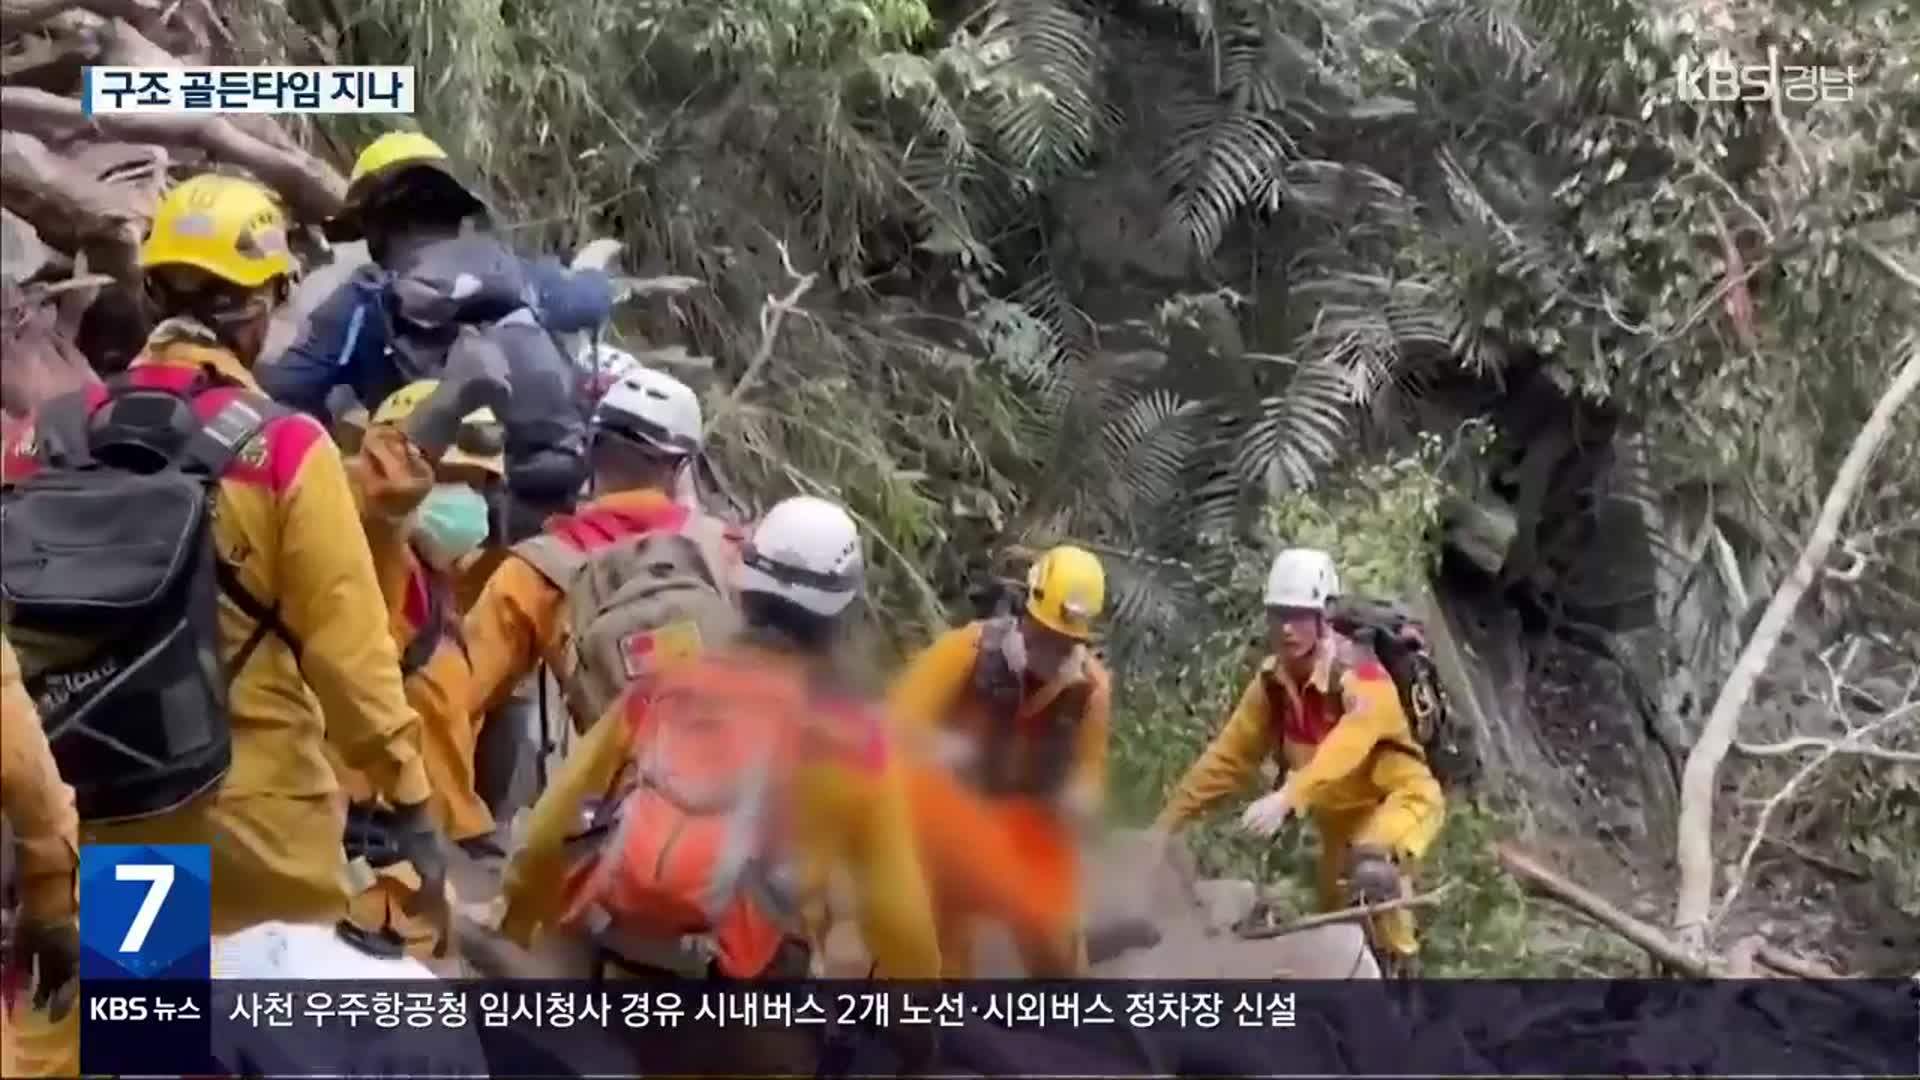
954	750
1267	814
1080	806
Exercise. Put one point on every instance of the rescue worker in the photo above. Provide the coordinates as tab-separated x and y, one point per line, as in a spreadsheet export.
844	808
40	814
422	517
1327	710
401	195
216	263
646	430
1019	707
432	282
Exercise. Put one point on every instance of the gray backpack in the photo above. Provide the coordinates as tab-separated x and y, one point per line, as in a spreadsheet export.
633	605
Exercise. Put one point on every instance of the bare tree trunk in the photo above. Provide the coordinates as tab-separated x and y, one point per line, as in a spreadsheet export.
1694	843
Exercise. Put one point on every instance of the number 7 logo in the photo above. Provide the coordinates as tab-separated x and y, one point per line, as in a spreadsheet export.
159	879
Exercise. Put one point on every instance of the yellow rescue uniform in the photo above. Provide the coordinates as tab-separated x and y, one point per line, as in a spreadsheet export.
285	521
1349	758
40	812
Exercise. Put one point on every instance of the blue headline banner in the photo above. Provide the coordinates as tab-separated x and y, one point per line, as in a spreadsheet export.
1104	1028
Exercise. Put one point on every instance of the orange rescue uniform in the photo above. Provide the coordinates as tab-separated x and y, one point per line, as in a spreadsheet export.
1028	754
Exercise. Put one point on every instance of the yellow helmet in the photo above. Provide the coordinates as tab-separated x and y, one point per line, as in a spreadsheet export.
394	152
1066	591
393	149
229	227
478	442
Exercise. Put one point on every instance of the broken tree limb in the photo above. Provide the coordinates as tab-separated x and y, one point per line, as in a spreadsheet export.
20	16
1699	783
67	207
1538	877
1832	748
126	46
312	189
1357	913
54	61
1848	747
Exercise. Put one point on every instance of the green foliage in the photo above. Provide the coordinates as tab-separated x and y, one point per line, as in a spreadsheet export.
1355	202
1376	524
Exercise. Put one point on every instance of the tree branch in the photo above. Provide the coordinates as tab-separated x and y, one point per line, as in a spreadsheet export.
69	208
126	46
1694	840
1850	746
1353	914
20	16
1773	803
1538	877
312	189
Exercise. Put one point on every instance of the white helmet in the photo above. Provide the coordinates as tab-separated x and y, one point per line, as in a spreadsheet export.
607	362
1302	578
652	407
806	551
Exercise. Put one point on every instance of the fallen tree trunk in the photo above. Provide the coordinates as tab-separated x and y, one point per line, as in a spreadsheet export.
20	16
1537	876
126	46
54	62
312	189
67	207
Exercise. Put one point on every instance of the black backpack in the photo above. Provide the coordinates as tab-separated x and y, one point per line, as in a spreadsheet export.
112	585
1401	643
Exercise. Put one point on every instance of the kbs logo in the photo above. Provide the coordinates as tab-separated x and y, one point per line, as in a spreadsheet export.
116	1008
1698	81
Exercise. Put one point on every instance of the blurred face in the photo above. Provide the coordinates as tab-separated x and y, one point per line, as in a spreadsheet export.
623	464
1046	649
1294	633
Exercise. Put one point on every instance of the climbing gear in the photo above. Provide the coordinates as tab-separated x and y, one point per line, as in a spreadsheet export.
1302	578
1066	591
1400	643
806	551
1027	747
686	871
451	523
229	227
476	439
654	409
637	605
113	585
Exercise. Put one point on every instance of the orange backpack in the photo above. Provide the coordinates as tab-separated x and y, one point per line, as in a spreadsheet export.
692	870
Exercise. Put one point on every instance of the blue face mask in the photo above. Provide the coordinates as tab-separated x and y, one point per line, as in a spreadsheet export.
450	524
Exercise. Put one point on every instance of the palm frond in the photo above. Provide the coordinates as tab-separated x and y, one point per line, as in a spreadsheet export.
1298	430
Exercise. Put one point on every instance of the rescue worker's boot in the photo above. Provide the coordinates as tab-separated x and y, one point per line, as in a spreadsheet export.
475	378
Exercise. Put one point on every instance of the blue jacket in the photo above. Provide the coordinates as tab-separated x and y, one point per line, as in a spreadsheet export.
345	339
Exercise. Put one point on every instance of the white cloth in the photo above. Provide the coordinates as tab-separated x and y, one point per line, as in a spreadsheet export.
274	951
